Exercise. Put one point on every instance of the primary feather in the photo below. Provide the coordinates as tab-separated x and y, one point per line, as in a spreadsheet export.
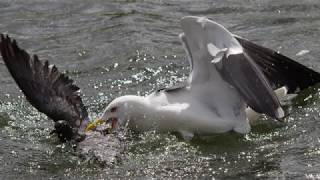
48	90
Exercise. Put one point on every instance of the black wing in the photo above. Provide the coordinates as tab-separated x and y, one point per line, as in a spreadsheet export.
279	69
44	86
245	76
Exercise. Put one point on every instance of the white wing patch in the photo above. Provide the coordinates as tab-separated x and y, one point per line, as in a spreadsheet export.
176	107
215	52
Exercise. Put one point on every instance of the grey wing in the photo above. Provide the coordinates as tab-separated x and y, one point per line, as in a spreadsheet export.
211	47
242	73
44	86
279	69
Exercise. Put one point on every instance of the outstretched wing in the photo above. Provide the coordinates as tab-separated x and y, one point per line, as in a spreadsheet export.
279	69
213	48
44	86
242	73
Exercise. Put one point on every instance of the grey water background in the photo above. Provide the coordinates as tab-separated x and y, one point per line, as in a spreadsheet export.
111	48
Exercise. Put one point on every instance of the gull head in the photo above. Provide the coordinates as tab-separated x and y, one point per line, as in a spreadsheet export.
122	110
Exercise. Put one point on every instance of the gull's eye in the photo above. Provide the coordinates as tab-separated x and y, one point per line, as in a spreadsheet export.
114	109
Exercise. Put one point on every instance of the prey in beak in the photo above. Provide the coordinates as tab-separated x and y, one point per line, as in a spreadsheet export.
104	126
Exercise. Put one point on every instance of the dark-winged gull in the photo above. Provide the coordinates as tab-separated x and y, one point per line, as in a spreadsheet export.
232	80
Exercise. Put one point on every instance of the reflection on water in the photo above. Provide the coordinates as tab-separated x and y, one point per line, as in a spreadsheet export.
113	48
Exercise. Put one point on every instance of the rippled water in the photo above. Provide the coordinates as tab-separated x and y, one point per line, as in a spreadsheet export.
121	47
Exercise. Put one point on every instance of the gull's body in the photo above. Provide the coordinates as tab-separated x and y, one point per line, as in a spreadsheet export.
187	111
195	110
183	112
214	99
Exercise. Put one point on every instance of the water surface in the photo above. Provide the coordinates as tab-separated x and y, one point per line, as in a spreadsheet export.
118	47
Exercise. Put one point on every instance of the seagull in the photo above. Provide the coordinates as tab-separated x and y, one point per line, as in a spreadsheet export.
232	81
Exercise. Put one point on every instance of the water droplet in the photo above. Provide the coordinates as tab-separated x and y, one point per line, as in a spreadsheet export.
302	52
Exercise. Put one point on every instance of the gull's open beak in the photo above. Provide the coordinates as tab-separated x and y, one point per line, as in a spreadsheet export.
114	122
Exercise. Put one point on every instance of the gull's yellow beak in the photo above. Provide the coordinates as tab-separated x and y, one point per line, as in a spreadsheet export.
92	125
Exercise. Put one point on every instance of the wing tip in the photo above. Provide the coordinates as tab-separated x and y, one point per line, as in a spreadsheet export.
280	69
5	37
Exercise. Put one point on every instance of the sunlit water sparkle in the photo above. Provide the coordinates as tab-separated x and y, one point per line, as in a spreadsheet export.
113	48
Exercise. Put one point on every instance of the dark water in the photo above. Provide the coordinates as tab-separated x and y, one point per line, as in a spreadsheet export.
121	47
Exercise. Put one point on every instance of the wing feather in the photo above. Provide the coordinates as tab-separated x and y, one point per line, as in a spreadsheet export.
48	90
213	48
279	69
243	74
